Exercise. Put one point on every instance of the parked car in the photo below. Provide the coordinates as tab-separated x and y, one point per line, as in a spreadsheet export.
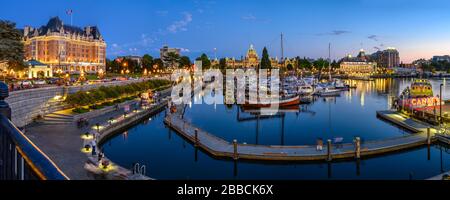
26	83
53	80
39	82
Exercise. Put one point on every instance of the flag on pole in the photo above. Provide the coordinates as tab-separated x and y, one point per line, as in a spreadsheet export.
70	12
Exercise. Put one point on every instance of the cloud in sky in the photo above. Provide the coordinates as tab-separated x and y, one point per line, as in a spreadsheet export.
185	50
373	37
180	25
144	42
253	18
335	32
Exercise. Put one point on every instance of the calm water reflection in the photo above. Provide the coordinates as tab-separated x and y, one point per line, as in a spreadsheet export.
167	156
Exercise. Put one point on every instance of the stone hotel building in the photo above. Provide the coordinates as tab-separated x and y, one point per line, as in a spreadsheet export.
66	49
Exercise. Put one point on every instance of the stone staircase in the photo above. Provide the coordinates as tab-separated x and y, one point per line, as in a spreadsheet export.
57	119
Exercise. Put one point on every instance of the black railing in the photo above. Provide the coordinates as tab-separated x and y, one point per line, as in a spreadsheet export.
20	159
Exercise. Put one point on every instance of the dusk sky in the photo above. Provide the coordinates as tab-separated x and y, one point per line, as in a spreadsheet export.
417	28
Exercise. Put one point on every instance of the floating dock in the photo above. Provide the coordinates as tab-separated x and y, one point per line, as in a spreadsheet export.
220	148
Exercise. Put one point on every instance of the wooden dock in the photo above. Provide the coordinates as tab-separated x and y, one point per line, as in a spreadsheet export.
220	148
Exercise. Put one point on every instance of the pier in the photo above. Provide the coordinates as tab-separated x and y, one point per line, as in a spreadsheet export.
234	150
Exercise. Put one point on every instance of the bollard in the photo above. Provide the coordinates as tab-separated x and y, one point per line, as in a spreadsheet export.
358	147
329	157
196	137
5	110
428	136
235	155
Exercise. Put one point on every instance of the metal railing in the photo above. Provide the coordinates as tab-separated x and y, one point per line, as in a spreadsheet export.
20	159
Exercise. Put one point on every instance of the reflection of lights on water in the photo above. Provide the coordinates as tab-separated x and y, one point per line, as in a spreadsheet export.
362	98
190	104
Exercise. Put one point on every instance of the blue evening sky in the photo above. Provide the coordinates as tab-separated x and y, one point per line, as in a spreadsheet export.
417	28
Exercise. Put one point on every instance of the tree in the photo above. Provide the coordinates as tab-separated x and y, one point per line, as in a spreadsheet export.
113	66
320	64
206	63
265	60
222	64
335	65
304	64
147	62
158	63
11	46
184	61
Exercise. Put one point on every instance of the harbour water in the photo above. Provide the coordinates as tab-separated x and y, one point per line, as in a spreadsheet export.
168	156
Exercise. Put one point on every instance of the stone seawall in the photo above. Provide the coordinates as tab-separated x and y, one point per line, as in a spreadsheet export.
26	105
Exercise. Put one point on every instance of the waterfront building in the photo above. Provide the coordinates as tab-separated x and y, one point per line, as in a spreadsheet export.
37	69
3	66
164	54
357	66
445	58
66	48
388	58
252	60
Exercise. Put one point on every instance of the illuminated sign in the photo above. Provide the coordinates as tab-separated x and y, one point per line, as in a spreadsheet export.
422	102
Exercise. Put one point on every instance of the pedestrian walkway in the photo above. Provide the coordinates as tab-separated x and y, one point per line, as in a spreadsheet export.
62	141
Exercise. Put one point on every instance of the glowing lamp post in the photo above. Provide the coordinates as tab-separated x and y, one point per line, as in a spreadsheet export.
440	104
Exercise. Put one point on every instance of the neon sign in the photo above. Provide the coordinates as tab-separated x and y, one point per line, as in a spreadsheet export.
422	102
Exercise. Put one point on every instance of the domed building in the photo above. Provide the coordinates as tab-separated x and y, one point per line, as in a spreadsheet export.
251	59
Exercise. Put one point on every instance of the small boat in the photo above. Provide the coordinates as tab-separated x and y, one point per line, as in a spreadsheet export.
327	92
305	90
338	84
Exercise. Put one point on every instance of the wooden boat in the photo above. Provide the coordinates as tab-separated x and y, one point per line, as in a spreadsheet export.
284	102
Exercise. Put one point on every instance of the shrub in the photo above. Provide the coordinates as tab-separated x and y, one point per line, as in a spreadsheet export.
80	110
83	98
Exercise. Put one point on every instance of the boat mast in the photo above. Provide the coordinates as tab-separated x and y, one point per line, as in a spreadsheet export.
282	49
329	60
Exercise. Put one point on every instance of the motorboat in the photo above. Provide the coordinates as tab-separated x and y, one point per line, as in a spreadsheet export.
305	90
326	92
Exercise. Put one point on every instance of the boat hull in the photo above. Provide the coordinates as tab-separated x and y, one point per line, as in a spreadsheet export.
283	103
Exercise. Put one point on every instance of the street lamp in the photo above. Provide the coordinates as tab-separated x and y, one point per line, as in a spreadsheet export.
440	104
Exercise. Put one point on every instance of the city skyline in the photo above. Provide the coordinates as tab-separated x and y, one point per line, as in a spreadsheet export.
201	26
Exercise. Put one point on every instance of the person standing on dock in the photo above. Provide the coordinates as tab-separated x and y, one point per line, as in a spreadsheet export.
319	144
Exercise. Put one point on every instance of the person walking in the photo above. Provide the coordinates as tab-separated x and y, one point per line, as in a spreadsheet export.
94	145
319	146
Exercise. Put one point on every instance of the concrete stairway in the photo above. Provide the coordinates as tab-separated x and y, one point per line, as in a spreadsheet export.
57	119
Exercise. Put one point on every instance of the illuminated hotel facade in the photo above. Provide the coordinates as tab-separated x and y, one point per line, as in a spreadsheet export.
66	49
358	66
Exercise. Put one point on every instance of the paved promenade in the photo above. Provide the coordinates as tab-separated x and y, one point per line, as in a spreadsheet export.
62	143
